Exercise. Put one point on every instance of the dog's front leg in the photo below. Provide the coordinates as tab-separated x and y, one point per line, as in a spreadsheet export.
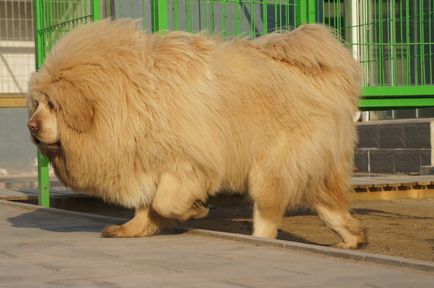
146	222
180	195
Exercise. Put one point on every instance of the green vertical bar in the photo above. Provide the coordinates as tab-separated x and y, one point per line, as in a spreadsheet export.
252	19
394	44
339	19
95	10
107	9
199	13
422	42
43	176
160	10
401	31
84	10
225	19
415	44
39	38
407	39
163	15
430	45
280	16
237	17
275	17
381	39
265	16
212	26
176	15
369	39
187	15
48	23
287	17
307	12
207	16
303	8
43	181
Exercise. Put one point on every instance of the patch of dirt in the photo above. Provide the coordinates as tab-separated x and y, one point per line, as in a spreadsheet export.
402	228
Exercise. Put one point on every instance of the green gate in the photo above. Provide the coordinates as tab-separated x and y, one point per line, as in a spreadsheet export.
392	39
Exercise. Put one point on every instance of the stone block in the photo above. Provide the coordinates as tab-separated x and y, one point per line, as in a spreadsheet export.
382	161
417	135
392	136
368	136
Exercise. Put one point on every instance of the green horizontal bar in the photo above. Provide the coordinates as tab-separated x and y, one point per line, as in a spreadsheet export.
373	104
398	91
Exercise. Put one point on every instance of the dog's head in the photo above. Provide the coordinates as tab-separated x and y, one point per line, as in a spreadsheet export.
42	124
56	106
79	95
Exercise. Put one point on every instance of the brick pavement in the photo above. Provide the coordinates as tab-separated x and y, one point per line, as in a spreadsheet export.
54	248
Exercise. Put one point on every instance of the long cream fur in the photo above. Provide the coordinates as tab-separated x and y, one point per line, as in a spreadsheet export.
160	122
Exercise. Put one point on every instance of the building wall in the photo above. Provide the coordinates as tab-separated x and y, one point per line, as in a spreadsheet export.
16	45
17	153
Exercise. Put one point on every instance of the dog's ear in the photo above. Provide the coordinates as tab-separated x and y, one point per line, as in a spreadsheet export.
73	105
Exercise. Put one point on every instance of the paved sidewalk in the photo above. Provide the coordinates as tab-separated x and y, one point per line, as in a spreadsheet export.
51	248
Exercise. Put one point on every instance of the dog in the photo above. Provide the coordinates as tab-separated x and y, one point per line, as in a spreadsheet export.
159	123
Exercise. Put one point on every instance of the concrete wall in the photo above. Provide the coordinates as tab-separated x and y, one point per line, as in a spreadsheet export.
17	153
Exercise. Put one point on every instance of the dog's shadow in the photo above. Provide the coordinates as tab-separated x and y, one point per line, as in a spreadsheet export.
41	219
53	221
70	223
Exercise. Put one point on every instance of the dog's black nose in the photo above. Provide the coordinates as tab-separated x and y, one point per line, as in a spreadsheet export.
33	126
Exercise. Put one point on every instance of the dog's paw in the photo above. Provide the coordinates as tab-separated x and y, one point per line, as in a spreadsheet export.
200	210
115	231
359	243
344	245
125	231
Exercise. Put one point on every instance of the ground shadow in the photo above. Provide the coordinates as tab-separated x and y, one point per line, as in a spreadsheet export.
55	221
44	220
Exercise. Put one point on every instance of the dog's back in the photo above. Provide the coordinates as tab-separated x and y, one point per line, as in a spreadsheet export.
314	49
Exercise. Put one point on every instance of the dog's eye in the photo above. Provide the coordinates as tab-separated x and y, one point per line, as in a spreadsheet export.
50	105
35	103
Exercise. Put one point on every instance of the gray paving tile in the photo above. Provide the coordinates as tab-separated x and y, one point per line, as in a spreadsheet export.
41	248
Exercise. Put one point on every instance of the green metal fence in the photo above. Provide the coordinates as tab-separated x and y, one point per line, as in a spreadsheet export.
392	39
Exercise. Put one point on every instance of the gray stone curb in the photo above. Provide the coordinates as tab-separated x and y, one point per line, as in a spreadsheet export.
322	250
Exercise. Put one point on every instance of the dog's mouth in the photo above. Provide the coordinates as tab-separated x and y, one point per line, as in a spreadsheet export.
52	146
35	139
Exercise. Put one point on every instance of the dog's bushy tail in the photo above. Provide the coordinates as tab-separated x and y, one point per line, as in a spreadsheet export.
314	49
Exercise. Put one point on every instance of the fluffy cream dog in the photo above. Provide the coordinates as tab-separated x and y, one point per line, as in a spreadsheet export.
159	123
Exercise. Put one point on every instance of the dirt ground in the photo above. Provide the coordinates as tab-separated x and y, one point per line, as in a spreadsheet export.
402	228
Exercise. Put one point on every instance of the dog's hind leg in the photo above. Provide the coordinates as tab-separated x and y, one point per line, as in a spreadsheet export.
347	228
146	222
332	207
270	202
180	194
